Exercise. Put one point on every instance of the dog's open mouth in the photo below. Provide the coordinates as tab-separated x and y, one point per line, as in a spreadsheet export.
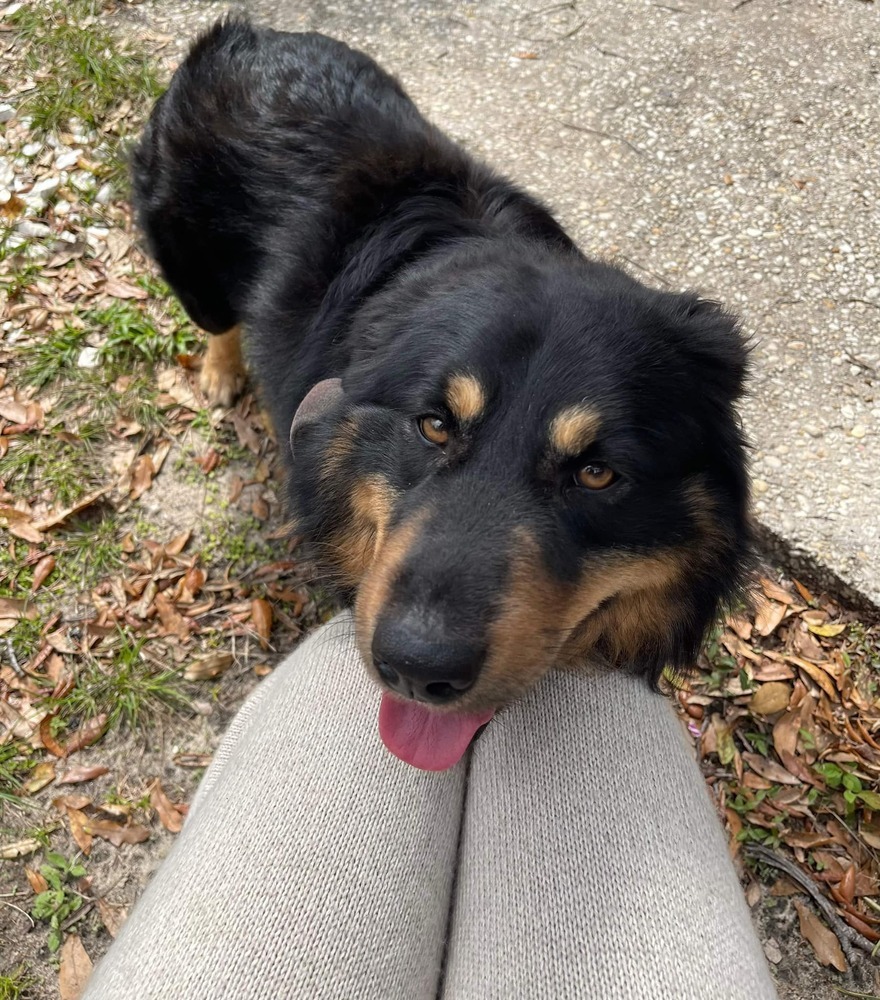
424	737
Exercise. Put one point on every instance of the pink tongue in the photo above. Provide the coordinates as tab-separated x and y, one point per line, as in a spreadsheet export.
432	741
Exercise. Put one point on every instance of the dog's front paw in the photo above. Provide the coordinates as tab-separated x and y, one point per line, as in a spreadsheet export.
223	374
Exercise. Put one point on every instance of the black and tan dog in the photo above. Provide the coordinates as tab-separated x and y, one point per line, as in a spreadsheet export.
506	455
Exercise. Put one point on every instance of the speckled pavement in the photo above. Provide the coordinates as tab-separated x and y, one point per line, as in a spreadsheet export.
732	147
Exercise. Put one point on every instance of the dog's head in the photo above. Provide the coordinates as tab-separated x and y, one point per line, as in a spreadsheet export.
528	460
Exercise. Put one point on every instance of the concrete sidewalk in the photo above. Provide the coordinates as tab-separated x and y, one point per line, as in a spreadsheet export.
732	147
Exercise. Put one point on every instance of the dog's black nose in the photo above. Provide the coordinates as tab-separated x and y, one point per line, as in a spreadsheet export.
418	663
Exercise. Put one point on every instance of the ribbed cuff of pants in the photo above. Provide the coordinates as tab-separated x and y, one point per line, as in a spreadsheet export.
577	855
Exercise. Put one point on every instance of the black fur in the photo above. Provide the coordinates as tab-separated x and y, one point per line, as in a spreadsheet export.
287	182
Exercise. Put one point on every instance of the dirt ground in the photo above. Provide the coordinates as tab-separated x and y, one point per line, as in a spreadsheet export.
146	582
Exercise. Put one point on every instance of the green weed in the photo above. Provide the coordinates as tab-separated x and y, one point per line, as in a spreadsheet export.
60	900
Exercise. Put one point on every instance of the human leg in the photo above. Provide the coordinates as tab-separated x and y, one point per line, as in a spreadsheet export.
313	865
592	864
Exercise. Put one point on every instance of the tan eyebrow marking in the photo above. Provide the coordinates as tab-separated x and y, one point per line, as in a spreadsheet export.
574	429
466	397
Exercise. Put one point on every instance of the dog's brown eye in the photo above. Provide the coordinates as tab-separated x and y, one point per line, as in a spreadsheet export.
595	476
434	429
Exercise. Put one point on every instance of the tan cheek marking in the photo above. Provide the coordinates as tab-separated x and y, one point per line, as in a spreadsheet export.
354	549
545	623
376	585
466	398
640	609
340	448
574	429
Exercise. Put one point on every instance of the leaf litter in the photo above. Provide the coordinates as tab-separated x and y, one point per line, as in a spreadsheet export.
785	719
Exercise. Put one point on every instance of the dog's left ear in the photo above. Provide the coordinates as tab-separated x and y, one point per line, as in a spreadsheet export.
711	337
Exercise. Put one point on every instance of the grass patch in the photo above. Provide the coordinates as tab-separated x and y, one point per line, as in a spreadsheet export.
64	466
48	358
129	688
26	637
83	72
133	336
13	764
91	550
20	271
15	985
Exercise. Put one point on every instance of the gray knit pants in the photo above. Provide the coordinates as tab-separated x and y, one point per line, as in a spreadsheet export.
577	855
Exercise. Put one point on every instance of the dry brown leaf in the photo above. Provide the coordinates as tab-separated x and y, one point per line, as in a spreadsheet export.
88	733
847	885
43	774
75	969
808	841
209	461
773	670
79	830
48	740
73	801
119	289
175	386
17	607
775	592
785	733
41	572
172	620
742	626
113	917
178	543
160	453
785	887
36	880
799	769
25	529
192	583
769	769
822	940
770	698
247	436
260	509
261	619
142	473
814	616
117	833
56	518
207	667
13	411
803	591
170	815
819	676
76	775
768	615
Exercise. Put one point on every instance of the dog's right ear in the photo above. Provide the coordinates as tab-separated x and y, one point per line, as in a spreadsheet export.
318	401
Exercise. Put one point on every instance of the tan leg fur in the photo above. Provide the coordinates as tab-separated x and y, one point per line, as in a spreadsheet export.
223	370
